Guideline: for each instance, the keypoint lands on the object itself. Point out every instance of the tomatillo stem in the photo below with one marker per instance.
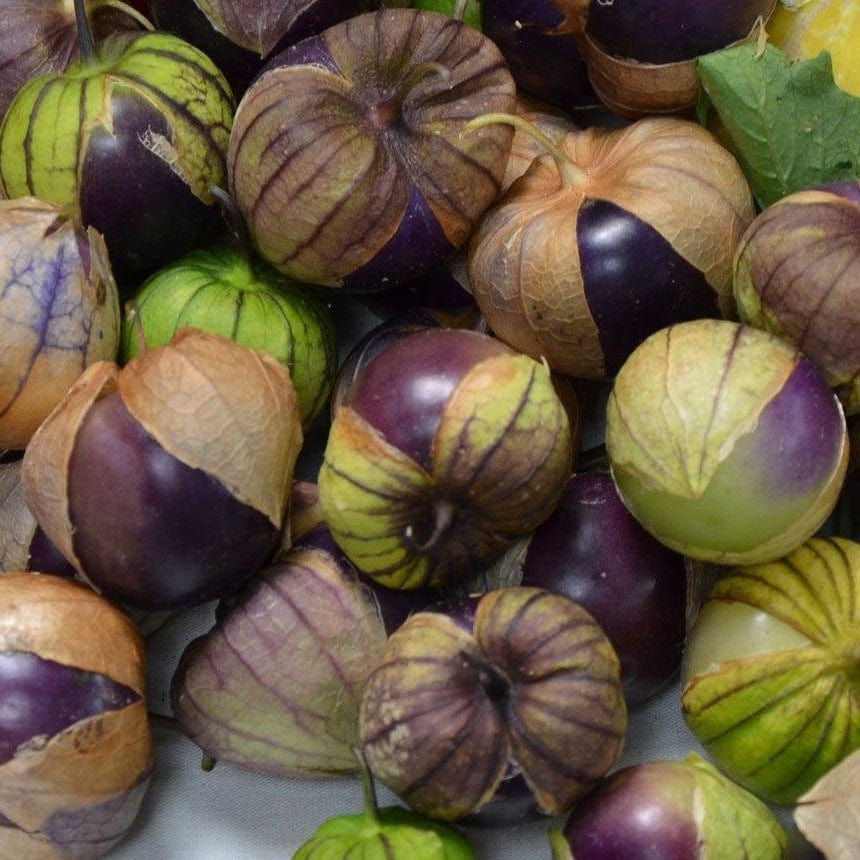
(86, 43)
(571, 173)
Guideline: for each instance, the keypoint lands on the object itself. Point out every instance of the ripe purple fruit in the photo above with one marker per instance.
(166, 483)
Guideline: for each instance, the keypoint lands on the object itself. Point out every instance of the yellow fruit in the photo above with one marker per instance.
(832, 25)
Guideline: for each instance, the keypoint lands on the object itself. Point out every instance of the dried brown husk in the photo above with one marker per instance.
(632, 88)
(524, 267)
(210, 403)
(45, 468)
(216, 406)
(49, 266)
(828, 814)
(17, 524)
(37, 611)
(98, 759)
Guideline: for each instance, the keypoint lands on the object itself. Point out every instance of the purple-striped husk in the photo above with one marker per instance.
(797, 275)
(275, 686)
(238, 53)
(346, 156)
(536, 682)
(59, 312)
(450, 449)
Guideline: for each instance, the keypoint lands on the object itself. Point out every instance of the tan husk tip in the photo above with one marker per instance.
(222, 408)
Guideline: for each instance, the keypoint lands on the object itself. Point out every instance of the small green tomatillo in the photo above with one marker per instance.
(392, 833)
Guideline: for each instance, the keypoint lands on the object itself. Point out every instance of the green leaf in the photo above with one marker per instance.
(788, 123)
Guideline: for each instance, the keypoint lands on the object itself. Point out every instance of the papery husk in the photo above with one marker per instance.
(219, 407)
(524, 267)
(36, 612)
(275, 687)
(92, 830)
(501, 456)
(91, 762)
(393, 833)
(688, 417)
(370, 491)
(43, 355)
(45, 468)
(257, 26)
(776, 716)
(38, 37)
(435, 735)
(97, 760)
(336, 188)
(428, 732)
(632, 88)
(797, 275)
(305, 513)
(524, 148)
(828, 815)
(17, 524)
(164, 73)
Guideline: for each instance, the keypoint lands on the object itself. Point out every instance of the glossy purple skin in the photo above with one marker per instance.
(417, 244)
(643, 812)
(373, 343)
(848, 190)
(666, 31)
(46, 558)
(546, 66)
(798, 439)
(395, 604)
(146, 213)
(592, 550)
(42, 698)
(149, 530)
(403, 391)
(635, 282)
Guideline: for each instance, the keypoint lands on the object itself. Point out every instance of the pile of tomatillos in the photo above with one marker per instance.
(635, 224)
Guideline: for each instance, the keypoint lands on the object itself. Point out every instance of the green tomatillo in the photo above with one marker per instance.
(392, 833)
(223, 292)
(771, 683)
